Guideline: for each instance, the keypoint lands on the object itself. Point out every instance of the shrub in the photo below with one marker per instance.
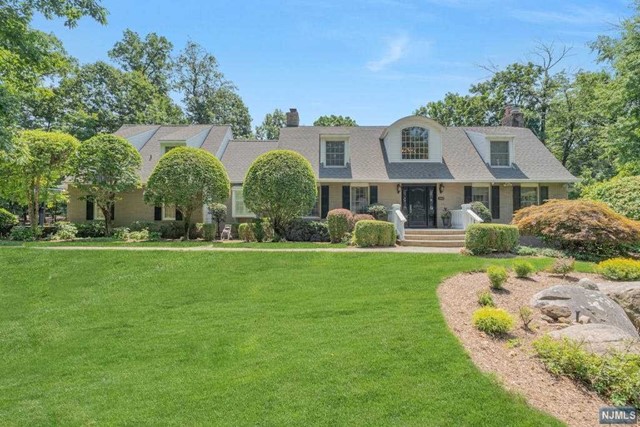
(234, 230)
(522, 268)
(485, 299)
(620, 193)
(65, 231)
(482, 211)
(175, 230)
(7, 221)
(245, 232)
(483, 239)
(340, 222)
(526, 315)
(615, 376)
(545, 252)
(619, 269)
(210, 231)
(497, 276)
(584, 228)
(91, 229)
(374, 233)
(563, 266)
(492, 321)
(139, 236)
(152, 226)
(362, 217)
(23, 234)
(301, 230)
(120, 233)
(378, 211)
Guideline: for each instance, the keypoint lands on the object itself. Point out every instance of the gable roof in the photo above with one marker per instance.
(239, 155)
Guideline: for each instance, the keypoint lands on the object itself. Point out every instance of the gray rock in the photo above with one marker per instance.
(599, 338)
(547, 319)
(555, 311)
(627, 295)
(593, 304)
(584, 320)
(588, 284)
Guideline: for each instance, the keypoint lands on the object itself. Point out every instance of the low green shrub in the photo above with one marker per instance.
(234, 230)
(615, 376)
(90, 229)
(619, 269)
(174, 230)
(120, 233)
(497, 276)
(378, 211)
(245, 232)
(374, 233)
(24, 233)
(340, 222)
(522, 268)
(482, 211)
(139, 236)
(563, 266)
(262, 229)
(301, 230)
(526, 315)
(65, 231)
(545, 252)
(492, 321)
(482, 239)
(210, 231)
(362, 217)
(7, 221)
(152, 226)
(485, 299)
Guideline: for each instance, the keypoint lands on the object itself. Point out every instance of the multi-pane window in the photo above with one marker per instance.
(480, 194)
(528, 196)
(499, 153)
(359, 199)
(415, 143)
(334, 153)
(239, 209)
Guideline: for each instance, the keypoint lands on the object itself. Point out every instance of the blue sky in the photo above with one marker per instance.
(373, 60)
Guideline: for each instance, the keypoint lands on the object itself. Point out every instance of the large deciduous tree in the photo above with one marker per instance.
(36, 165)
(187, 178)
(271, 125)
(280, 185)
(334, 120)
(105, 166)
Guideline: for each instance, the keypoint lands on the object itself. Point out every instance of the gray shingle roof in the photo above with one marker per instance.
(239, 155)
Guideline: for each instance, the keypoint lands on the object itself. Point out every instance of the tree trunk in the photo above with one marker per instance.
(187, 223)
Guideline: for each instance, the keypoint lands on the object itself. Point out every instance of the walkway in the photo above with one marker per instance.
(397, 249)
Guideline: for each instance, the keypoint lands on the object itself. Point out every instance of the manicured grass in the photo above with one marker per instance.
(202, 338)
(99, 242)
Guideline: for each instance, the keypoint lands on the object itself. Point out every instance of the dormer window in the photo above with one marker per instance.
(335, 153)
(168, 146)
(415, 143)
(500, 153)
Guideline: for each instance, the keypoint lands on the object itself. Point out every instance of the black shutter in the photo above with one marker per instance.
(373, 194)
(544, 194)
(495, 201)
(90, 213)
(324, 201)
(113, 211)
(516, 197)
(346, 197)
(178, 215)
(467, 194)
(157, 213)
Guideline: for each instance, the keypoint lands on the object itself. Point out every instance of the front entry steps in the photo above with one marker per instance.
(433, 238)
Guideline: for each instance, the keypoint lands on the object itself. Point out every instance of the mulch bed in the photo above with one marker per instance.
(512, 358)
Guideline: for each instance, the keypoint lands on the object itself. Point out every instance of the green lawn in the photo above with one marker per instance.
(219, 338)
(99, 242)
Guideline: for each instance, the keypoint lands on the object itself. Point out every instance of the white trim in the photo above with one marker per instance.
(234, 214)
(166, 217)
(358, 185)
(323, 149)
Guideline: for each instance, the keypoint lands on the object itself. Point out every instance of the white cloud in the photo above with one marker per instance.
(397, 48)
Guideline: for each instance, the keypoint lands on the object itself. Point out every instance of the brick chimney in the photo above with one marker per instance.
(293, 118)
(513, 117)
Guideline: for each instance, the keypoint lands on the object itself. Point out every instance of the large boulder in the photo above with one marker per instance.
(599, 338)
(627, 295)
(591, 303)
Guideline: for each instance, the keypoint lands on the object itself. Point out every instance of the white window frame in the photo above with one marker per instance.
(501, 138)
(352, 208)
(530, 186)
(168, 214)
(429, 147)
(334, 138)
(486, 187)
(234, 198)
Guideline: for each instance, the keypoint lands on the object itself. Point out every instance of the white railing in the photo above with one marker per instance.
(469, 217)
(457, 219)
(398, 219)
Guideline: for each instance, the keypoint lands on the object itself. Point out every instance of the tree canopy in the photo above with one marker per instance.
(334, 120)
(271, 125)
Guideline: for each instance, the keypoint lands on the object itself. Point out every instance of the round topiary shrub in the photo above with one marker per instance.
(245, 232)
(583, 228)
(522, 268)
(619, 269)
(374, 233)
(482, 211)
(621, 194)
(483, 239)
(280, 185)
(301, 230)
(7, 221)
(497, 276)
(362, 217)
(492, 321)
(340, 223)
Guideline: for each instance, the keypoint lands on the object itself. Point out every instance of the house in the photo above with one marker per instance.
(414, 165)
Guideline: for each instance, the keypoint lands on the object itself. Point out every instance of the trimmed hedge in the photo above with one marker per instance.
(340, 222)
(374, 233)
(209, 231)
(245, 232)
(301, 230)
(362, 217)
(91, 229)
(620, 193)
(482, 239)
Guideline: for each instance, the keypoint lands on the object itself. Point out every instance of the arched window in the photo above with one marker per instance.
(415, 143)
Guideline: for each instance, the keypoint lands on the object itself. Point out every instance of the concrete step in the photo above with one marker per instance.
(434, 243)
(433, 231)
(428, 237)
